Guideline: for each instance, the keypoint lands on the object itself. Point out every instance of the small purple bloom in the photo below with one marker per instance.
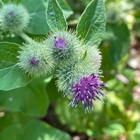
(11, 13)
(60, 43)
(87, 89)
(34, 61)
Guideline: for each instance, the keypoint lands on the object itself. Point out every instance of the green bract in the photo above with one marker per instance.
(13, 18)
(33, 58)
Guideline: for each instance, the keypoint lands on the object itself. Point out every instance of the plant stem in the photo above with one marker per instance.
(25, 37)
(1, 2)
(73, 22)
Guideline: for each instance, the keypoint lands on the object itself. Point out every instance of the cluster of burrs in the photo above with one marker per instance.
(76, 63)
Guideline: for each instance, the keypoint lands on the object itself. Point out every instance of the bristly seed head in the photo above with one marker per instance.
(13, 18)
(60, 43)
(34, 61)
(63, 45)
(87, 89)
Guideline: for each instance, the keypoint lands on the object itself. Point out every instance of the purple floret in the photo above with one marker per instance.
(60, 43)
(34, 61)
(87, 89)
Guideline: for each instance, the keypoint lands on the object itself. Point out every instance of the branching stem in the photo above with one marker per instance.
(25, 37)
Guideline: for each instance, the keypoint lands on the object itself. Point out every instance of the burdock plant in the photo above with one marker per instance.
(80, 75)
(71, 56)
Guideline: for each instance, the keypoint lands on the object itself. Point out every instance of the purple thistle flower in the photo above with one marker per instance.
(34, 61)
(60, 43)
(87, 89)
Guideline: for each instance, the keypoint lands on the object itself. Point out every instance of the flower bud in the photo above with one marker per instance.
(13, 18)
(63, 45)
(34, 60)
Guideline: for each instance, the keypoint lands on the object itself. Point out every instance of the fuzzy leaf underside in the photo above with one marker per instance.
(54, 16)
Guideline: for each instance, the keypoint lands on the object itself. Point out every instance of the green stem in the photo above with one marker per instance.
(1, 2)
(25, 37)
(73, 22)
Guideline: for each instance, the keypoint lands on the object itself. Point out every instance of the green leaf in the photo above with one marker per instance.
(130, 74)
(37, 130)
(13, 39)
(54, 15)
(131, 125)
(11, 76)
(114, 130)
(133, 137)
(115, 85)
(109, 70)
(31, 128)
(31, 99)
(38, 24)
(9, 133)
(86, 121)
(92, 22)
(16, 118)
(137, 130)
(67, 11)
(86, 2)
(52, 90)
(119, 39)
(8, 1)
